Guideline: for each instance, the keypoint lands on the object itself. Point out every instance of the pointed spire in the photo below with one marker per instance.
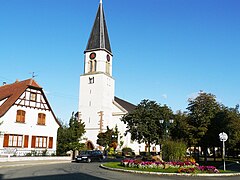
(99, 36)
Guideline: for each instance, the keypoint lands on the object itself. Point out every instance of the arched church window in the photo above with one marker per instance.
(95, 66)
(108, 64)
(107, 67)
(90, 66)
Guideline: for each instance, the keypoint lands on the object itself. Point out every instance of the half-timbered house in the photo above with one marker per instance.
(28, 124)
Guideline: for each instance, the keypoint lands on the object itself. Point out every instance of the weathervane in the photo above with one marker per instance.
(33, 75)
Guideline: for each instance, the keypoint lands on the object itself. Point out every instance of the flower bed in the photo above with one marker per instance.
(182, 167)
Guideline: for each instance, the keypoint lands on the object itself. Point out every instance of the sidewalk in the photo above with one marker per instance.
(24, 161)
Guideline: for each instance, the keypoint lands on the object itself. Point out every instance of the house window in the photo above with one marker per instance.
(15, 140)
(20, 116)
(41, 142)
(41, 119)
(33, 96)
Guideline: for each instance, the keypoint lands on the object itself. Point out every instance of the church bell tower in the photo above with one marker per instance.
(96, 83)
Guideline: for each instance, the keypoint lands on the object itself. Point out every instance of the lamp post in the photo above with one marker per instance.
(166, 124)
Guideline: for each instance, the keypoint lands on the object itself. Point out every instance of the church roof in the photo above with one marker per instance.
(99, 36)
(126, 105)
(10, 93)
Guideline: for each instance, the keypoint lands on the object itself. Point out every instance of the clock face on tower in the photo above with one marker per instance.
(92, 56)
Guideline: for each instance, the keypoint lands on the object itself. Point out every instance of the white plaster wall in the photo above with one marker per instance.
(30, 127)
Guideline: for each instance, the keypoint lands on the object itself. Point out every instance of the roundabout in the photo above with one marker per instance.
(107, 166)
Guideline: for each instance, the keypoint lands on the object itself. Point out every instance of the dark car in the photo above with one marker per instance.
(89, 156)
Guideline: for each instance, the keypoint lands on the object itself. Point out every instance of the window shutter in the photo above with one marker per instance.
(23, 116)
(26, 141)
(33, 141)
(50, 144)
(5, 141)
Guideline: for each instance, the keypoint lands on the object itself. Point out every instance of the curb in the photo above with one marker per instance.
(170, 174)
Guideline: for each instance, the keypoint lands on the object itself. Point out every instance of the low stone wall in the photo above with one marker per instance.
(37, 158)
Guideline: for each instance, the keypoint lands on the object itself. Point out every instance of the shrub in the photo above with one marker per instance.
(127, 151)
(111, 151)
(174, 150)
(44, 152)
(28, 154)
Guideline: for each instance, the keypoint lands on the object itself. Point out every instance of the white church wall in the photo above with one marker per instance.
(95, 98)
(101, 58)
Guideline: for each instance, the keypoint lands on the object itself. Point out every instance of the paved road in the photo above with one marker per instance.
(85, 171)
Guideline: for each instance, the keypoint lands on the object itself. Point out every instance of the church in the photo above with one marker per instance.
(99, 108)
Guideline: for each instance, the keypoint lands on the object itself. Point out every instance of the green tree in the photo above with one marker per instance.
(68, 137)
(226, 120)
(232, 128)
(202, 110)
(62, 139)
(179, 129)
(143, 123)
(76, 130)
(108, 139)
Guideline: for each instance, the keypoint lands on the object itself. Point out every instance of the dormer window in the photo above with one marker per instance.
(33, 96)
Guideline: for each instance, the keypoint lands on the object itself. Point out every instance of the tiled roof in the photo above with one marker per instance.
(126, 105)
(11, 92)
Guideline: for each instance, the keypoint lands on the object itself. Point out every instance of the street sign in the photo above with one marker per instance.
(223, 136)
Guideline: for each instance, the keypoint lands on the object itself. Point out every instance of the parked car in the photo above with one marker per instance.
(89, 156)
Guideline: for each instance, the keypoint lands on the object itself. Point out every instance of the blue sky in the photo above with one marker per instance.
(164, 50)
